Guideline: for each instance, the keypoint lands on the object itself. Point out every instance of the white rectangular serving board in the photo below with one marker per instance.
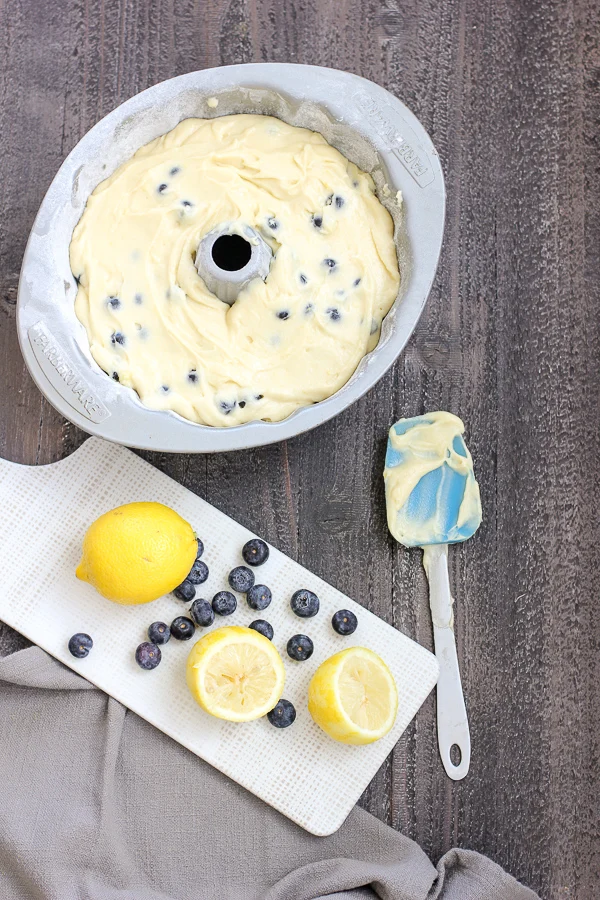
(45, 512)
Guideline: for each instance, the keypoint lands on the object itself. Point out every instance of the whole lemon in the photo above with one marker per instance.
(137, 552)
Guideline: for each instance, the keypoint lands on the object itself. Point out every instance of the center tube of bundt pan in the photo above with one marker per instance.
(227, 260)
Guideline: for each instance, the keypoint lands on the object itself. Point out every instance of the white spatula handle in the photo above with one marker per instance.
(452, 723)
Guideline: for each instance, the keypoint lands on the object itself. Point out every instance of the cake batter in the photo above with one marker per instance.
(432, 442)
(286, 342)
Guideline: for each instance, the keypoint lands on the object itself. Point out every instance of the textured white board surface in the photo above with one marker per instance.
(45, 512)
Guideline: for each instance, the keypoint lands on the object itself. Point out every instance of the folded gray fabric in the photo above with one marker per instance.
(102, 806)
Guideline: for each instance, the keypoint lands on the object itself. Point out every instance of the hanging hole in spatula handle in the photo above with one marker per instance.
(455, 755)
(455, 762)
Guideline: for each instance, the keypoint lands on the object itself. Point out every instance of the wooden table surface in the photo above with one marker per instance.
(510, 340)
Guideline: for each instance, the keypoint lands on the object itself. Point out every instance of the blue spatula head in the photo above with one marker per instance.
(431, 493)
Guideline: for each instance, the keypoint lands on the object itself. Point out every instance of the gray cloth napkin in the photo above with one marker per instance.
(99, 805)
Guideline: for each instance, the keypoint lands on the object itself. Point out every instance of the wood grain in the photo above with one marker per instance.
(510, 92)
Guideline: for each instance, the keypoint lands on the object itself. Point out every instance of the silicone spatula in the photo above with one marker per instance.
(433, 500)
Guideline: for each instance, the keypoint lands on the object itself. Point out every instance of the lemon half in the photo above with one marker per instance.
(137, 552)
(235, 673)
(353, 697)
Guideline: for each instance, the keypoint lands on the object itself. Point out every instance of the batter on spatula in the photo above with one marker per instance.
(286, 342)
(432, 495)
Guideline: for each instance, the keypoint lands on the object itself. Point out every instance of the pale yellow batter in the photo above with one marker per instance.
(426, 446)
(287, 342)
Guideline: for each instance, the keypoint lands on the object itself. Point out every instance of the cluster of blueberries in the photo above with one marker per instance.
(304, 603)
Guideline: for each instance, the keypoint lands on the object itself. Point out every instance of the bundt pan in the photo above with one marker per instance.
(362, 120)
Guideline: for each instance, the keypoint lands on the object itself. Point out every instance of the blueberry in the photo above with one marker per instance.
(255, 552)
(339, 201)
(193, 376)
(115, 376)
(138, 299)
(303, 279)
(259, 396)
(198, 573)
(282, 715)
(333, 313)
(284, 314)
(259, 596)
(161, 188)
(300, 647)
(356, 282)
(202, 613)
(273, 223)
(263, 627)
(317, 221)
(159, 633)
(117, 337)
(148, 655)
(330, 263)
(182, 628)
(226, 406)
(114, 302)
(309, 308)
(241, 579)
(344, 622)
(186, 203)
(200, 549)
(224, 603)
(174, 170)
(305, 604)
(242, 404)
(165, 388)
(186, 591)
(80, 645)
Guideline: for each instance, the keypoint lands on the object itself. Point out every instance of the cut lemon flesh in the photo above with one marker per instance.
(235, 673)
(353, 697)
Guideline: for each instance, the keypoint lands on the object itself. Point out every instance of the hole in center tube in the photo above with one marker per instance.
(231, 252)
(455, 755)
